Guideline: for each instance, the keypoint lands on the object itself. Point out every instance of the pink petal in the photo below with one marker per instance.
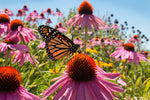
(61, 91)
(120, 81)
(111, 76)
(19, 47)
(68, 92)
(111, 86)
(75, 91)
(3, 96)
(92, 92)
(54, 87)
(101, 92)
(88, 95)
(80, 93)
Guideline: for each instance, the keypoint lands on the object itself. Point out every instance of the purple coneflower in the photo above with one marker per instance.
(128, 52)
(85, 17)
(105, 41)
(32, 17)
(22, 57)
(48, 21)
(25, 8)
(145, 53)
(10, 86)
(29, 17)
(11, 43)
(4, 23)
(77, 40)
(134, 39)
(7, 12)
(35, 12)
(17, 28)
(115, 26)
(41, 16)
(117, 43)
(60, 28)
(49, 11)
(20, 13)
(104, 27)
(83, 80)
(95, 41)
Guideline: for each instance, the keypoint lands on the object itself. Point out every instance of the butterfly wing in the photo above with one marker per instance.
(57, 45)
(60, 46)
(47, 32)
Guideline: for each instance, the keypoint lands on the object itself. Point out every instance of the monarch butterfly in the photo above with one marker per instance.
(57, 45)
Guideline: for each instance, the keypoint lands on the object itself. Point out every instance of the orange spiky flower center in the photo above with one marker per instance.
(115, 25)
(114, 38)
(25, 6)
(81, 68)
(85, 8)
(10, 79)
(146, 52)
(129, 47)
(42, 14)
(20, 11)
(6, 10)
(4, 18)
(49, 10)
(9, 41)
(60, 23)
(96, 38)
(56, 26)
(78, 38)
(34, 11)
(135, 36)
(14, 24)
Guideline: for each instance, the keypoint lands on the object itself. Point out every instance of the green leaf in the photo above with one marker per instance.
(138, 81)
(32, 71)
(146, 88)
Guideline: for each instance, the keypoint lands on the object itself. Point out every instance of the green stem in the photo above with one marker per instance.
(54, 68)
(7, 56)
(142, 77)
(86, 35)
(35, 63)
(22, 39)
(138, 45)
(38, 70)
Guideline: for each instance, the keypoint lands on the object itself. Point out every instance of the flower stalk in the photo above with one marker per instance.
(35, 63)
(86, 35)
(7, 56)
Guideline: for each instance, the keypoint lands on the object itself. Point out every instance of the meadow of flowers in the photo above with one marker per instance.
(110, 64)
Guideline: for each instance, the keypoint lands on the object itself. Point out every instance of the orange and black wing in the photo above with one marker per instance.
(46, 31)
(59, 46)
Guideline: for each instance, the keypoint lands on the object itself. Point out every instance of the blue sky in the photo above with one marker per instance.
(136, 12)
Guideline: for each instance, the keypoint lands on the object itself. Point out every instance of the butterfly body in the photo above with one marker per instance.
(57, 45)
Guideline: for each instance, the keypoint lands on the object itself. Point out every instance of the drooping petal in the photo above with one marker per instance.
(101, 92)
(62, 90)
(111, 86)
(120, 81)
(111, 76)
(54, 87)
(19, 47)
